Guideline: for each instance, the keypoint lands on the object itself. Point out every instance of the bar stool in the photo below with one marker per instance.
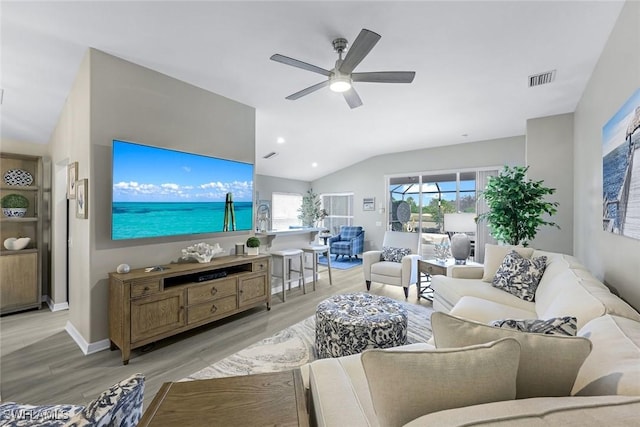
(316, 251)
(286, 256)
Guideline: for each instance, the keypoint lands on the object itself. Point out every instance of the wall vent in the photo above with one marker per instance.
(270, 155)
(542, 78)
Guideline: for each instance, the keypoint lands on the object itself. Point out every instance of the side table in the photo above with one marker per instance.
(276, 398)
(426, 269)
(432, 267)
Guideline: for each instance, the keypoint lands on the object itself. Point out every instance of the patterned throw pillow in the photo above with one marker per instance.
(394, 254)
(520, 276)
(566, 325)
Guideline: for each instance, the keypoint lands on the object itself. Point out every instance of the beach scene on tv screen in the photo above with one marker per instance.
(160, 192)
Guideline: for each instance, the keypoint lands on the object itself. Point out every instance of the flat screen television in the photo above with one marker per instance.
(158, 192)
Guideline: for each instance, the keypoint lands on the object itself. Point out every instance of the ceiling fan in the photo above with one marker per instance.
(341, 77)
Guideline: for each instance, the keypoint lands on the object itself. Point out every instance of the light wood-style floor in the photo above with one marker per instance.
(41, 364)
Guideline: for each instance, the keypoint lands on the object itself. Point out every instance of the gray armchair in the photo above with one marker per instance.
(396, 263)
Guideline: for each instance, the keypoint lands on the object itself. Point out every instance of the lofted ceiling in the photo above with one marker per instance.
(472, 61)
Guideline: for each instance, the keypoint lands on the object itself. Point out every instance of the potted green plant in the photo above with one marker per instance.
(516, 206)
(310, 211)
(253, 245)
(14, 205)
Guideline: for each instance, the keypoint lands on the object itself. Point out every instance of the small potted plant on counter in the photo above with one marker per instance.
(253, 246)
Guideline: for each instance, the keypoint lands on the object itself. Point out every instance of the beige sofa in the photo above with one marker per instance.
(606, 390)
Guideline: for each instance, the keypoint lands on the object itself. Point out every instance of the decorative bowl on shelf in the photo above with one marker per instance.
(18, 177)
(16, 243)
(14, 212)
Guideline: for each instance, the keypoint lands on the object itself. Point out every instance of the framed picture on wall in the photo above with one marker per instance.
(620, 194)
(82, 199)
(72, 177)
(369, 204)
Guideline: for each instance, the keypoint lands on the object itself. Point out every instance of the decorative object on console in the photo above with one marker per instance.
(72, 177)
(82, 199)
(123, 268)
(16, 243)
(202, 252)
(460, 224)
(239, 248)
(516, 206)
(14, 205)
(253, 246)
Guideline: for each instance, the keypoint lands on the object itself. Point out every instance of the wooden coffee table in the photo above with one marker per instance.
(276, 398)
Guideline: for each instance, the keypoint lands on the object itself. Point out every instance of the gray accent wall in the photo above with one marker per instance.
(121, 100)
(367, 178)
(616, 77)
(550, 159)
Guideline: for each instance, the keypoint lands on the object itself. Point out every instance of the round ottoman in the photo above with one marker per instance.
(350, 323)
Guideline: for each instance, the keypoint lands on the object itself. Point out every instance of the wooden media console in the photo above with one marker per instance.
(148, 306)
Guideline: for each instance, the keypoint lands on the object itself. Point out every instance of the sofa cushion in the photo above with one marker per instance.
(394, 254)
(340, 391)
(493, 256)
(451, 290)
(520, 276)
(548, 363)
(541, 411)
(555, 326)
(485, 311)
(613, 367)
(415, 376)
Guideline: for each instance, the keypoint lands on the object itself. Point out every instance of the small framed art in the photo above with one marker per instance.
(72, 177)
(369, 204)
(82, 199)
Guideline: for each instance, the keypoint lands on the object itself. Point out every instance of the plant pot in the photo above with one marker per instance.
(14, 212)
(253, 251)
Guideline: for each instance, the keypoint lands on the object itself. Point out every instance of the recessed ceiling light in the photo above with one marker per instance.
(280, 140)
(314, 165)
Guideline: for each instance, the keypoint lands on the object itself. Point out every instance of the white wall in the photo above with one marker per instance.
(550, 159)
(367, 178)
(611, 257)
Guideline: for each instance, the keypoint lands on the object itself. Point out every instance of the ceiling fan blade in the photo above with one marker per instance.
(299, 64)
(308, 90)
(352, 98)
(384, 77)
(363, 44)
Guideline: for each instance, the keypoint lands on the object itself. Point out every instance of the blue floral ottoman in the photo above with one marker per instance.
(350, 323)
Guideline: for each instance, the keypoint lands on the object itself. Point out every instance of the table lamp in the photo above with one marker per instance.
(459, 224)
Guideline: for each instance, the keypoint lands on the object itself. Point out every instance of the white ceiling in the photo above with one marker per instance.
(472, 60)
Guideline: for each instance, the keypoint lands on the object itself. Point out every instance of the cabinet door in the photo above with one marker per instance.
(252, 289)
(157, 314)
(19, 281)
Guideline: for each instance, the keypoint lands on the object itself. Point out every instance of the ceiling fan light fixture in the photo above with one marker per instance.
(340, 84)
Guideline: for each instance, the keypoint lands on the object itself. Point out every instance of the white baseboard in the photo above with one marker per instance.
(86, 347)
(55, 306)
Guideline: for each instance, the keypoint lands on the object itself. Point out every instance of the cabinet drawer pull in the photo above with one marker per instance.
(214, 291)
(146, 289)
(214, 308)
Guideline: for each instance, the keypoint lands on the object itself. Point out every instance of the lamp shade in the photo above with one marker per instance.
(460, 222)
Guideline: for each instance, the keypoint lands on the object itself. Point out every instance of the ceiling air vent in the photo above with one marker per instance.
(542, 78)
(270, 155)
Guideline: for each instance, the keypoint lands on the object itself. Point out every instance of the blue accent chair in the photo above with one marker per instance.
(349, 242)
